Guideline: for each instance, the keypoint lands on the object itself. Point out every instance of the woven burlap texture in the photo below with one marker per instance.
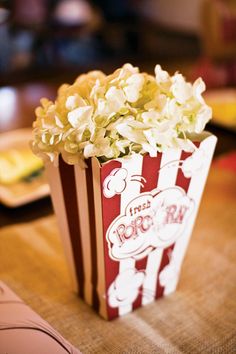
(198, 318)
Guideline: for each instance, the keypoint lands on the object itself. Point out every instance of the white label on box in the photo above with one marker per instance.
(151, 220)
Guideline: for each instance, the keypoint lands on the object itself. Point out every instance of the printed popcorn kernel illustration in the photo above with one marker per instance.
(125, 289)
(170, 273)
(194, 163)
(190, 166)
(115, 182)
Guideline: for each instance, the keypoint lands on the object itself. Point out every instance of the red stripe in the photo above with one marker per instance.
(110, 210)
(150, 171)
(93, 234)
(182, 182)
(67, 176)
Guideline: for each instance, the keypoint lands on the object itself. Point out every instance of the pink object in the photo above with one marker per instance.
(30, 12)
(73, 12)
(22, 331)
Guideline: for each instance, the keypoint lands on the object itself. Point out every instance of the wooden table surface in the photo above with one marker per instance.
(198, 318)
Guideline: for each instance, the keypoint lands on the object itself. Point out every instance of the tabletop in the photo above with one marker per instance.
(198, 318)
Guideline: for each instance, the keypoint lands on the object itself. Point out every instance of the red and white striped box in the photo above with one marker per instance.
(126, 224)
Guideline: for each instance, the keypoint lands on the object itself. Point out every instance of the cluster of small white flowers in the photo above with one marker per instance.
(120, 114)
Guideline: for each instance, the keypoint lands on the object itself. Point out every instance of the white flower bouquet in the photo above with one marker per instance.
(117, 115)
(127, 159)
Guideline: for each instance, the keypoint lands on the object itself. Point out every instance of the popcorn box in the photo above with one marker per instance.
(125, 224)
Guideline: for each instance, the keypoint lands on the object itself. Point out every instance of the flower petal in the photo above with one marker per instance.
(79, 115)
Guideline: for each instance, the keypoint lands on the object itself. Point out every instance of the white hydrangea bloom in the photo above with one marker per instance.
(80, 116)
(115, 100)
(134, 86)
(74, 101)
(120, 114)
(181, 90)
(162, 76)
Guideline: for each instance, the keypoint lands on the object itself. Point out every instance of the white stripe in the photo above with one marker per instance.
(149, 285)
(82, 200)
(133, 167)
(54, 180)
(169, 171)
(101, 283)
(195, 191)
(167, 178)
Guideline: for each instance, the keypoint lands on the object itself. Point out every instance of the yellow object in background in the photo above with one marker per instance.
(223, 104)
(16, 164)
(224, 111)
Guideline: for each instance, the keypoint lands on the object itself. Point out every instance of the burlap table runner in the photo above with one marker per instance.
(198, 318)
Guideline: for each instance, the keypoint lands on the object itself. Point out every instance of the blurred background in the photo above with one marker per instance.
(44, 39)
(44, 43)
